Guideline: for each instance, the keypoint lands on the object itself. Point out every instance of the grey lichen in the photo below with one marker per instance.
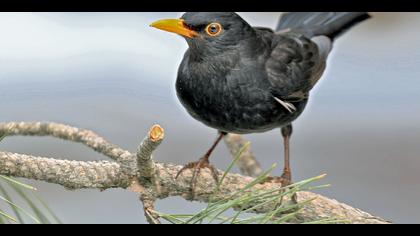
(129, 171)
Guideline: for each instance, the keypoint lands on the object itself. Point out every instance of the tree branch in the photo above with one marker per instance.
(247, 163)
(85, 137)
(104, 174)
(70, 174)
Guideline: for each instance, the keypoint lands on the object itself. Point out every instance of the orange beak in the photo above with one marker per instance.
(175, 26)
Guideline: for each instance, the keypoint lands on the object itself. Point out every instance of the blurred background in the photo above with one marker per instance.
(112, 73)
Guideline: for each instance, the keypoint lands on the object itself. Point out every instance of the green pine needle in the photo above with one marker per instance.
(15, 182)
(13, 205)
(2, 136)
(38, 210)
(219, 211)
(7, 196)
(235, 159)
(2, 214)
(40, 216)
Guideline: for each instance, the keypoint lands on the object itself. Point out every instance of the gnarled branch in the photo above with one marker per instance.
(61, 131)
(124, 173)
(70, 174)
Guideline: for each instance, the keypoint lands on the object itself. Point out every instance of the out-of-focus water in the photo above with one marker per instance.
(112, 73)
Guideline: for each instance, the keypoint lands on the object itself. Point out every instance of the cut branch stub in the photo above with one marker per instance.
(145, 164)
(147, 172)
(156, 133)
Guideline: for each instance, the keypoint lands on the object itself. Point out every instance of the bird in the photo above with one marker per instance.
(240, 79)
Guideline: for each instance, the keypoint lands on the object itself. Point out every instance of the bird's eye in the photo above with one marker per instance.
(213, 29)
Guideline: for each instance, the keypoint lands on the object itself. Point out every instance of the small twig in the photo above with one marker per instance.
(146, 196)
(247, 163)
(149, 213)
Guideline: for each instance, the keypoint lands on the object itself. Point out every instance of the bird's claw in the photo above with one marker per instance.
(285, 181)
(196, 169)
(286, 178)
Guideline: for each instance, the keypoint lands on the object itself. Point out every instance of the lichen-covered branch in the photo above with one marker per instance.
(104, 175)
(61, 131)
(70, 174)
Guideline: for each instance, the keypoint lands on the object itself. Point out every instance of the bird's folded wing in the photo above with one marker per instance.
(294, 66)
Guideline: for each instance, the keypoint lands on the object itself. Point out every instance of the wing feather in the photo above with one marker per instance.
(294, 66)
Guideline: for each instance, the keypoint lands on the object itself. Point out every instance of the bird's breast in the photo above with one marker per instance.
(234, 102)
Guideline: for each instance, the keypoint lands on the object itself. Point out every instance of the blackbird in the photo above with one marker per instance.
(241, 79)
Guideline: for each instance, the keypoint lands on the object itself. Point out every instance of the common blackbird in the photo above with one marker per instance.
(241, 79)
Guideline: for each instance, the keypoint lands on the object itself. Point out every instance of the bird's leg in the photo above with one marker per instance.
(203, 162)
(286, 132)
(286, 177)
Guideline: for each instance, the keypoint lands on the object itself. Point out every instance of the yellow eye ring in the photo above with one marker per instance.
(214, 29)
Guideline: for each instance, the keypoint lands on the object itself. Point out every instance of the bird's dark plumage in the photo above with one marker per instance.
(242, 80)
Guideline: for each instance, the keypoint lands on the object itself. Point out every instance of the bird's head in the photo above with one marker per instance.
(209, 33)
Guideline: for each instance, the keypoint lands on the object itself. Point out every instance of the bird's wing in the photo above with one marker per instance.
(300, 47)
(295, 65)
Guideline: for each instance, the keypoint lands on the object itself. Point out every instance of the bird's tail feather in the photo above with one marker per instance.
(330, 24)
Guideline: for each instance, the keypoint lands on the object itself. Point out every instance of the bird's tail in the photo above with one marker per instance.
(330, 24)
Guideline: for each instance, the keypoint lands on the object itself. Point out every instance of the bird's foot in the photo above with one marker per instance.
(284, 180)
(287, 178)
(196, 169)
